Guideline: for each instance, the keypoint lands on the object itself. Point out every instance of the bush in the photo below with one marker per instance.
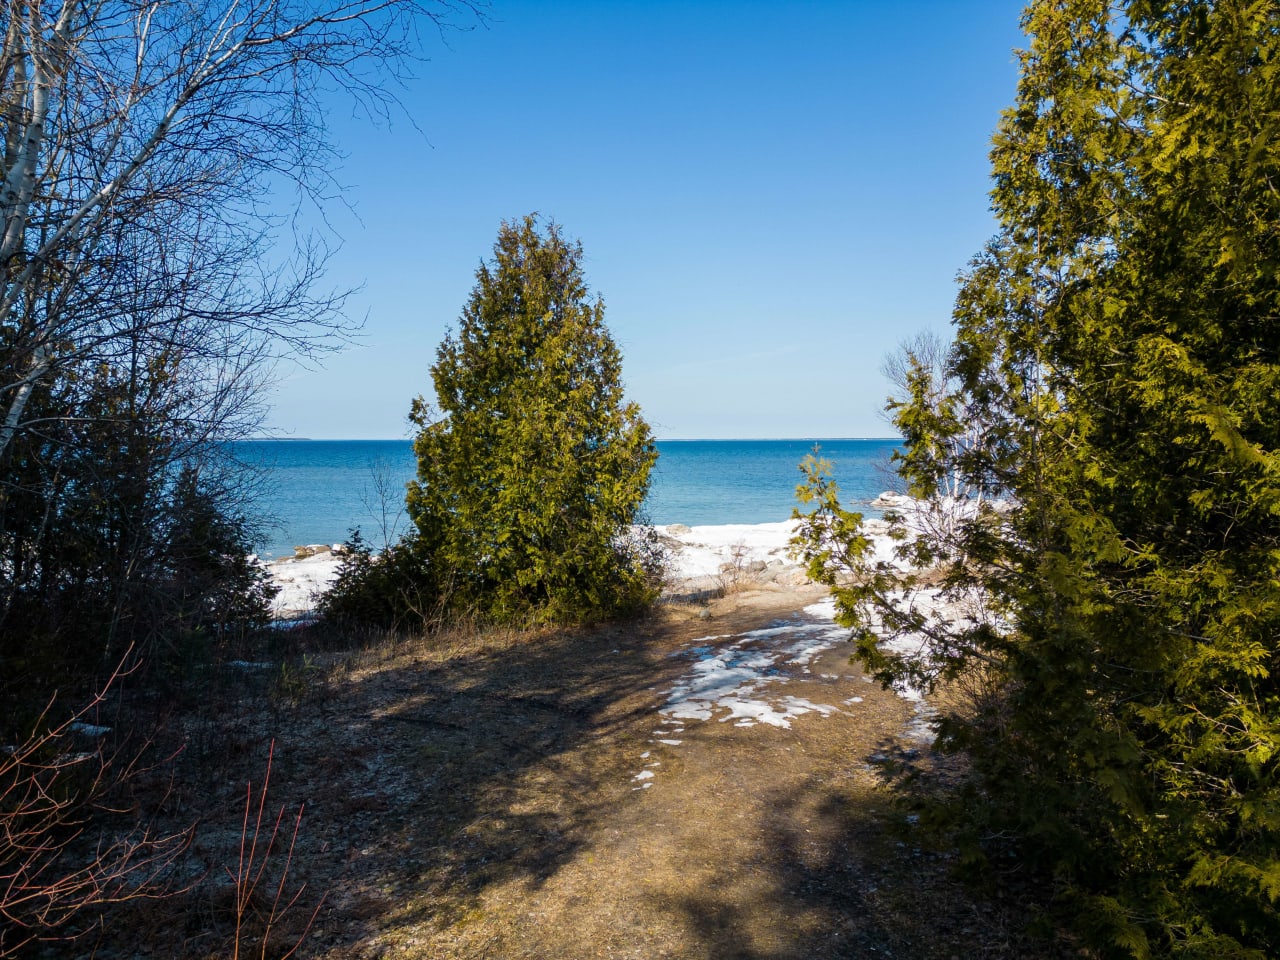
(391, 590)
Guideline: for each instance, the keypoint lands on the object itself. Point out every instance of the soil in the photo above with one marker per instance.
(505, 795)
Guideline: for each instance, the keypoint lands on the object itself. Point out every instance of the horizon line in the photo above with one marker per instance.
(656, 439)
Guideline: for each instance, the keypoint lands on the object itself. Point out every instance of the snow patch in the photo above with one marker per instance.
(301, 581)
(701, 551)
(733, 681)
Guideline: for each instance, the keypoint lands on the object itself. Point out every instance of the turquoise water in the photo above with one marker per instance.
(318, 490)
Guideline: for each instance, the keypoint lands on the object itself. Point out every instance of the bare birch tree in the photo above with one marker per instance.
(147, 148)
(144, 149)
(140, 138)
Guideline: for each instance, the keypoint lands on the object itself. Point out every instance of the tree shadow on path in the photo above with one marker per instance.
(486, 797)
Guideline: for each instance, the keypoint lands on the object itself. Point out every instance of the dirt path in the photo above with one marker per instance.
(529, 797)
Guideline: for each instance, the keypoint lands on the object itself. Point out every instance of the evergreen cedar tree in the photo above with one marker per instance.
(534, 467)
(1118, 346)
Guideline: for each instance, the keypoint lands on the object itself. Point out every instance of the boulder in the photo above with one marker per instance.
(791, 577)
(891, 501)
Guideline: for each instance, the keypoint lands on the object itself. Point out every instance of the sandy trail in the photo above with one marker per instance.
(547, 796)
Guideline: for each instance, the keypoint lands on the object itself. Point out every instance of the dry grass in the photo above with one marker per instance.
(472, 796)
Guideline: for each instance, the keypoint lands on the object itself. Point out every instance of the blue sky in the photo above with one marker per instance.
(770, 197)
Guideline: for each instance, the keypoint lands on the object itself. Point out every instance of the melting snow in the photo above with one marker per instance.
(920, 729)
(702, 550)
(733, 681)
(301, 581)
(824, 609)
(733, 676)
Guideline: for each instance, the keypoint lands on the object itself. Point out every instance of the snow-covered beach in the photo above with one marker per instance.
(699, 558)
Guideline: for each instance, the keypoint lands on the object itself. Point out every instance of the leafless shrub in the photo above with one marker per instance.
(739, 572)
(384, 499)
(51, 875)
(263, 902)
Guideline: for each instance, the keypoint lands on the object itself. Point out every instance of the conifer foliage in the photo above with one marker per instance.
(533, 467)
(1118, 352)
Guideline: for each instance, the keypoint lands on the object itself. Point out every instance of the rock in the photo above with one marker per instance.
(669, 545)
(88, 729)
(757, 566)
(678, 529)
(891, 501)
(311, 550)
(790, 577)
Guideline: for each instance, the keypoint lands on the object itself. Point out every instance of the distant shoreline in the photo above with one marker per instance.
(656, 440)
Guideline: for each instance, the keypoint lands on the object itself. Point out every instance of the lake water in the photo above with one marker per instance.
(318, 490)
